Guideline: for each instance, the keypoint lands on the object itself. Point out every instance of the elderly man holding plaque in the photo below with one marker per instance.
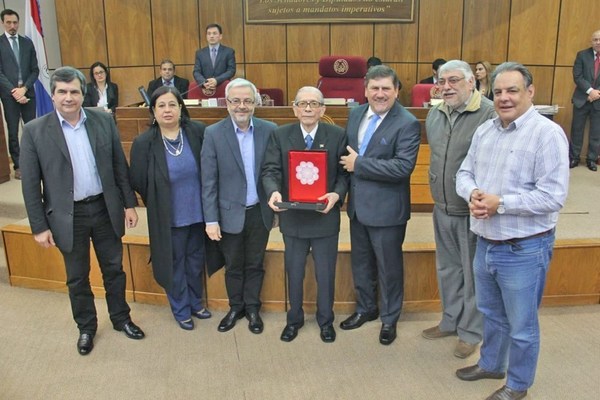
(300, 156)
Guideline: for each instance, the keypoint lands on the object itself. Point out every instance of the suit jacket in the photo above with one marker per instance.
(275, 177)
(380, 183)
(583, 75)
(47, 175)
(427, 80)
(92, 96)
(224, 65)
(150, 178)
(9, 70)
(181, 84)
(223, 176)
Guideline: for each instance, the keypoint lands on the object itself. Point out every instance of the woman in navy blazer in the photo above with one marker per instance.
(101, 92)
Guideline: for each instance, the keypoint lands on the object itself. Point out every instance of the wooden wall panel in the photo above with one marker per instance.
(129, 32)
(299, 75)
(440, 29)
(354, 40)
(485, 36)
(578, 20)
(129, 79)
(562, 93)
(258, 36)
(307, 43)
(82, 32)
(178, 45)
(406, 73)
(542, 81)
(533, 31)
(267, 76)
(396, 42)
(228, 14)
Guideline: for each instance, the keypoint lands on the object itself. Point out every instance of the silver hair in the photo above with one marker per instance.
(457, 65)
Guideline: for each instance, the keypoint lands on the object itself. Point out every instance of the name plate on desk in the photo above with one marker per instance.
(307, 180)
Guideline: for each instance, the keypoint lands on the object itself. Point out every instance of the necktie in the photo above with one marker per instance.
(368, 134)
(15, 49)
(168, 83)
(309, 141)
(213, 55)
(597, 65)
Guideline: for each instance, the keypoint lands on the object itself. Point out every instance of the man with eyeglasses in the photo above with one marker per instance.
(307, 230)
(383, 142)
(234, 201)
(450, 127)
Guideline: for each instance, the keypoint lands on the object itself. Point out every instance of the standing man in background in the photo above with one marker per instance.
(234, 202)
(76, 189)
(383, 142)
(214, 63)
(168, 78)
(450, 127)
(586, 104)
(515, 178)
(18, 73)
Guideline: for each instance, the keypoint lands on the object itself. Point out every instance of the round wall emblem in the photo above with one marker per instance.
(340, 66)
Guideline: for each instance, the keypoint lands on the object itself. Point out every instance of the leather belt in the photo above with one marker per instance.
(90, 199)
(251, 207)
(514, 241)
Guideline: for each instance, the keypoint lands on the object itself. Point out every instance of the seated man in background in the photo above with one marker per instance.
(168, 78)
(214, 63)
(435, 65)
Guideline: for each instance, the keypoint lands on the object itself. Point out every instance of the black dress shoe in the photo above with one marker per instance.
(387, 334)
(506, 393)
(592, 166)
(230, 319)
(474, 373)
(255, 323)
(290, 332)
(85, 343)
(357, 320)
(132, 331)
(573, 163)
(328, 334)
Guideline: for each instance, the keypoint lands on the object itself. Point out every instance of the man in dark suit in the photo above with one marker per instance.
(305, 230)
(234, 201)
(76, 188)
(168, 78)
(435, 65)
(17, 77)
(383, 142)
(216, 62)
(586, 103)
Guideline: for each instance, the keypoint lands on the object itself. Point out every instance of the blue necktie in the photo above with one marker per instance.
(213, 55)
(309, 141)
(368, 134)
(168, 83)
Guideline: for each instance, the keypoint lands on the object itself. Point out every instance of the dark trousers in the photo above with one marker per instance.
(580, 117)
(377, 260)
(91, 220)
(13, 113)
(185, 296)
(324, 252)
(244, 253)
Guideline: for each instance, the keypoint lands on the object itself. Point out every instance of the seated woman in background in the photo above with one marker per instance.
(165, 171)
(483, 74)
(101, 92)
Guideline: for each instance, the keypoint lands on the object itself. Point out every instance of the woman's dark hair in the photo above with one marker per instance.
(185, 114)
(104, 67)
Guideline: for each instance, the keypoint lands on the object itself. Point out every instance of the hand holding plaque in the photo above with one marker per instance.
(307, 180)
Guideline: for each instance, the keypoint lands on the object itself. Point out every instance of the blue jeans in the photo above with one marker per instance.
(509, 282)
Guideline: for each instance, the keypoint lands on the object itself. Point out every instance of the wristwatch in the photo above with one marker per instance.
(501, 209)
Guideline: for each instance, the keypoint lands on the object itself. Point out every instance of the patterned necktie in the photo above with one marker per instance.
(597, 65)
(309, 141)
(368, 134)
(168, 83)
(213, 55)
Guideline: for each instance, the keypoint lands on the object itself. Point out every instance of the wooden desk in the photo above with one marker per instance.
(134, 120)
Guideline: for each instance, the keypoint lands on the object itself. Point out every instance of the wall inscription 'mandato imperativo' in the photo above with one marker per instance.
(330, 11)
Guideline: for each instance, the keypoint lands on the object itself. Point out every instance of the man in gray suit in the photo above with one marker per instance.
(305, 230)
(234, 201)
(214, 63)
(17, 77)
(76, 188)
(586, 103)
(383, 142)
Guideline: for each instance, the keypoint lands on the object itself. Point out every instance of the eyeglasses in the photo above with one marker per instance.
(312, 104)
(98, 73)
(237, 102)
(451, 81)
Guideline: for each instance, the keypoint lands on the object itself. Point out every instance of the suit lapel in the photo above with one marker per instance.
(91, 127)
(158, 152)
(383, 126)
(296, 138)
(8, 48)
(231, 139)
(353, 132)
(320, 142)
(56, 134)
